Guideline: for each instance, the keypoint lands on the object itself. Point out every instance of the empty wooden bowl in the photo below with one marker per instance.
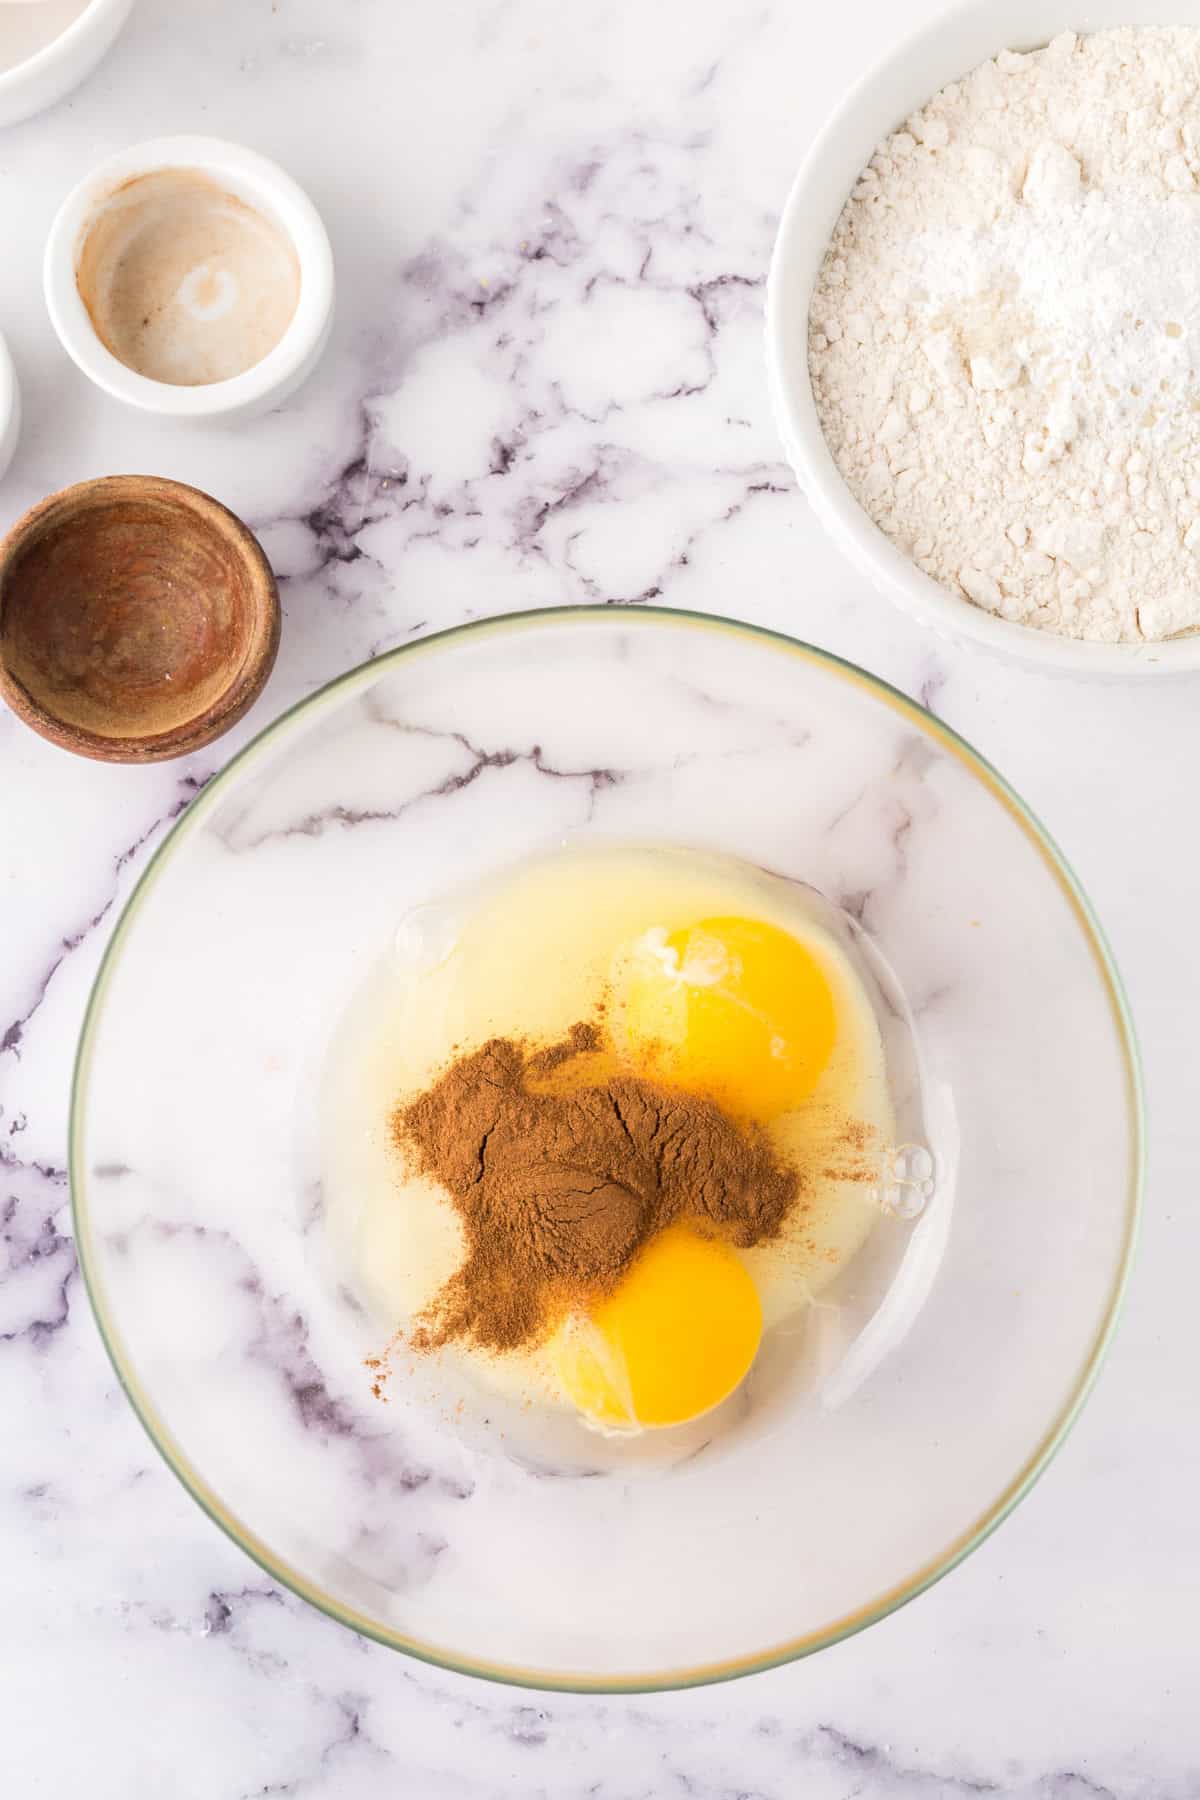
(139, 618)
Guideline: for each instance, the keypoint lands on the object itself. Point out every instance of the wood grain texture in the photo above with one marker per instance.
(139, 619)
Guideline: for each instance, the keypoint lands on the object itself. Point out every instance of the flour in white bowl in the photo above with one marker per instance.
(1005, 336)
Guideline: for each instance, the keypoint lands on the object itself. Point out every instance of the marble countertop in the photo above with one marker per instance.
(552, 229)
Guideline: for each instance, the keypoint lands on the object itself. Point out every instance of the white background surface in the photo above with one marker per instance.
(552, 227)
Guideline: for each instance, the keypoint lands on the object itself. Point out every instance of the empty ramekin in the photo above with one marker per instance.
(258, 183)
(63, 63)
(911, 75)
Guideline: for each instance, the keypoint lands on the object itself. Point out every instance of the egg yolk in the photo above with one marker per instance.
(676, 1337)
(730, 1008)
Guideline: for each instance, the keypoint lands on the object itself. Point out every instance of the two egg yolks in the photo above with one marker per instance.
(742, 1013)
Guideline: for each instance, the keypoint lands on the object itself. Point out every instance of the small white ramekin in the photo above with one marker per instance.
(10, 408)
(63, 63)
(260, 184)
(912, 74)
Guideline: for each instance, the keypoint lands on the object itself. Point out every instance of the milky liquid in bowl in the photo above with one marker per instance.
(183, 282)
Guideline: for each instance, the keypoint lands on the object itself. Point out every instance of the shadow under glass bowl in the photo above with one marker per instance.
(200, 1226)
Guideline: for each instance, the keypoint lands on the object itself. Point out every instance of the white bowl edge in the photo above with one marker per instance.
(942, 51)
(39, 81)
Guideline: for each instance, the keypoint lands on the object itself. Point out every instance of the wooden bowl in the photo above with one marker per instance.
(139, 619)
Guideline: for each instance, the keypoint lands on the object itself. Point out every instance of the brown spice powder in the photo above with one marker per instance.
(558, 1184)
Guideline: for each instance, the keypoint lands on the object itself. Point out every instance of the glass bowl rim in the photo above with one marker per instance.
(635, 617)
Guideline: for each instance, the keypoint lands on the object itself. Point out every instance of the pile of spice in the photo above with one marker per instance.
(561, 1167)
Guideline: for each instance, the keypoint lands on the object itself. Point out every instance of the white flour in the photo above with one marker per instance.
(1005, 336)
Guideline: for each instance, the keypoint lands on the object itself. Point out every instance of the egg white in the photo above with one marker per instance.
(526, 956)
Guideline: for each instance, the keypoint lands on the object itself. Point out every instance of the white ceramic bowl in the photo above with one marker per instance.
(912, 74)
(250, 178)
(10, 409)
(63, 63)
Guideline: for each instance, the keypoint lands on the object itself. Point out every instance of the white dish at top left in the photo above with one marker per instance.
(190, 277)
(48, 48)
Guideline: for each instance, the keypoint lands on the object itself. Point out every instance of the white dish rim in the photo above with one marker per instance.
(83, 43)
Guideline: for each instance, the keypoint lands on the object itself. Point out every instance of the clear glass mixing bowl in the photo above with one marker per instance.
(200, 1216)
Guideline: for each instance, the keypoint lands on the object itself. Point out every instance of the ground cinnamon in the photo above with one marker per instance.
(558, 1182)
